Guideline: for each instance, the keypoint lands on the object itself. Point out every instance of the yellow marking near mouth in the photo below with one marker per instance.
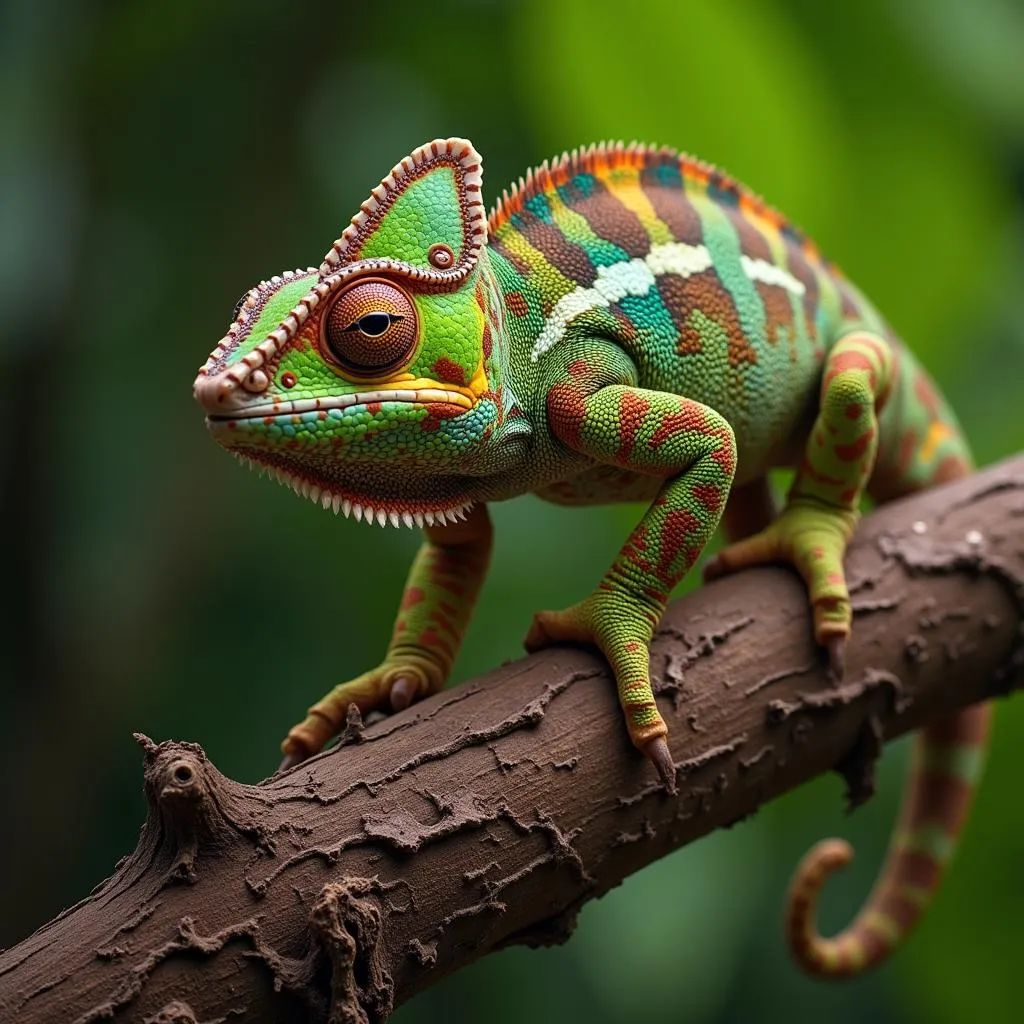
(464, 395)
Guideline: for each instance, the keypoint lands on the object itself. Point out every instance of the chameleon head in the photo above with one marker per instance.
(373, 383)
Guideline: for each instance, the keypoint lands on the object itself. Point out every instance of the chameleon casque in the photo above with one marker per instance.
(628, 324)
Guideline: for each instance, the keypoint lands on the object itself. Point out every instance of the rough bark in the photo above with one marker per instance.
(487, 815)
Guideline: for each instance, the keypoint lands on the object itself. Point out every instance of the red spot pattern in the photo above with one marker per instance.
(680, 527)
(687, 419)
(566, 401)
(632, 410)
(446, 370)
(855, 449)
(708, 495)
(437, 413)
(848, 360)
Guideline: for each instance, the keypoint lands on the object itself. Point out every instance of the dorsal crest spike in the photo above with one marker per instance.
(600, 157)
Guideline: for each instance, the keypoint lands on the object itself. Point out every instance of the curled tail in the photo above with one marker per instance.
(947, 763)
(921, 446)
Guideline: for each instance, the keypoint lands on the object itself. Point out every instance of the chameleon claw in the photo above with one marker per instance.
(713, 569)
(403, 692)
(291, 760)
(658, 752)
(835, 648)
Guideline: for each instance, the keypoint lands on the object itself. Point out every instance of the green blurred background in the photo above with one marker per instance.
(156, 159)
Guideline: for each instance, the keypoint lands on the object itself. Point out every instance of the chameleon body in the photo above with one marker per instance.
(628, 324)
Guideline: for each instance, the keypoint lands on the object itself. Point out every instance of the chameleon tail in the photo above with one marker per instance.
(947, 762)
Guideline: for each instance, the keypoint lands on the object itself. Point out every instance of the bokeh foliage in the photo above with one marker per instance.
(158, 158)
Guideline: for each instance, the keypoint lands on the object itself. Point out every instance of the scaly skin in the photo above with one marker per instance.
(628, 325)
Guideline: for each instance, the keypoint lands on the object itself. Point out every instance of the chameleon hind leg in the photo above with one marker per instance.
(921, 446)
(694, 449)
(822, 509)
(439, 596)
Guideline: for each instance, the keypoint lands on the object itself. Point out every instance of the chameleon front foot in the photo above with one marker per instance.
(389, 687)
(812, 537)
(621, 629)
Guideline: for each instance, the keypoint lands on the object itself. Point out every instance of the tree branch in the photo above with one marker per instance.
(487, 815)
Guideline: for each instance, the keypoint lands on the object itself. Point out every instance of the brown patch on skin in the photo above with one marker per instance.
(517, 304)
(567, 256)
(752, 242)
(288, 379)
(613, 221)
(778, 310)
(449, 372)
(673, 208)
(706, 293)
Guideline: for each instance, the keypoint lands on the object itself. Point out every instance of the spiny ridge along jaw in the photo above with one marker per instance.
(361, 511)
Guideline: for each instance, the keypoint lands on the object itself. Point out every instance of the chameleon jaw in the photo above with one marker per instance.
(339, 502)
(296, 407)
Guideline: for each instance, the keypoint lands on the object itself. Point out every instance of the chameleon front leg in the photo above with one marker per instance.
(439, 597)
(822, 509)
(694, 449)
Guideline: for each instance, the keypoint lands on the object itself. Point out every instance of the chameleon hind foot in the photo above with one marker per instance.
(621, 629)
(392, 686)
(812, 537)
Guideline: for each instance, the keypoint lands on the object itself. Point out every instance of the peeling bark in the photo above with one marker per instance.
(487, 815)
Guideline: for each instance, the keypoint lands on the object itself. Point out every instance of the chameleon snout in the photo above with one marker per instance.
(229, 391)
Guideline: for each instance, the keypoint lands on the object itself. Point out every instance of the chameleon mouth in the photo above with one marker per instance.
(297, 407)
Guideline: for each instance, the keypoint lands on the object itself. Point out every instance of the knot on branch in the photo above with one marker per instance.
(180, 783)
(346, 923)
(176, 1012)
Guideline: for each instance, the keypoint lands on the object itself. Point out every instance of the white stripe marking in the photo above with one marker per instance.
(769, 273)
(637, 277)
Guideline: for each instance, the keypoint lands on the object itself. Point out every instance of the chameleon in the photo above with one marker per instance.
(627, 324)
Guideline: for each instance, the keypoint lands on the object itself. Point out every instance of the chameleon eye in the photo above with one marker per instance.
(373, 325)
(371, 329)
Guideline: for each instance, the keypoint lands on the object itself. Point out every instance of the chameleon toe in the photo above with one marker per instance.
(657, 751)
(291, 760)
(403, 693)
(835, 648)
